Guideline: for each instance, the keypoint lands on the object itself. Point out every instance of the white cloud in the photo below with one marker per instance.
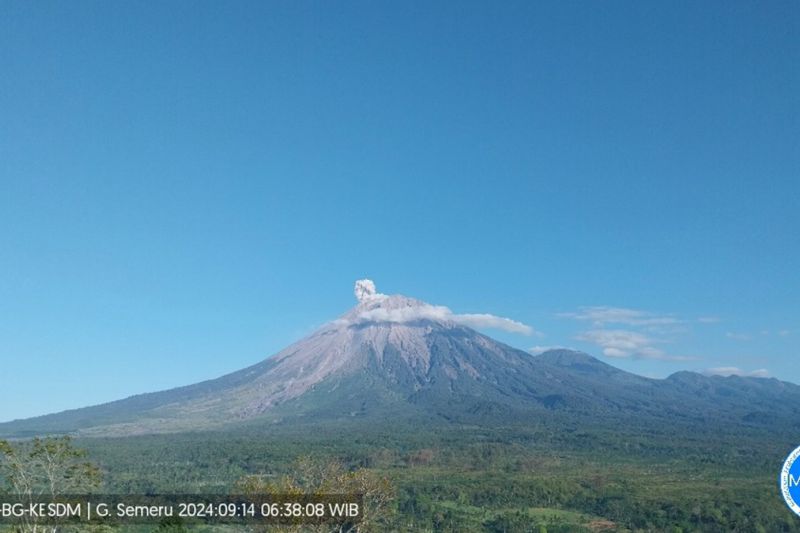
(441, 313)
(623, 332)
(602, 315)
(735, 371)
(365, 291)
(709, 320)
(621, 343)
(739, 336)
(484, 320)
(536, 350)
(405, 314)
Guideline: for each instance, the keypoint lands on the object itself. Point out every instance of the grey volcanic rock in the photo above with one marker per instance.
(398, 355)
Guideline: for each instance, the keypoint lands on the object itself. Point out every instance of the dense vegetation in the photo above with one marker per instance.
(524, 478)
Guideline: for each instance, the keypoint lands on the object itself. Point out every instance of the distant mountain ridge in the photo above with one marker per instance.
(394, 354)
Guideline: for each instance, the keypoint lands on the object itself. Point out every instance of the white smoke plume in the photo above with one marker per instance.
(365, 290)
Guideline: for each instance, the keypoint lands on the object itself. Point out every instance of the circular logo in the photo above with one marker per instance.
(790, 481)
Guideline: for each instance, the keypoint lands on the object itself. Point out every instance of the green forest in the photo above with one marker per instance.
(461, 478)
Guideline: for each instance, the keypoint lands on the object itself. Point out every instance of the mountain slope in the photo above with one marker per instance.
(400, 356)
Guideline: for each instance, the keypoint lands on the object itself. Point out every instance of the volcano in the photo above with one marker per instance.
(395, 356)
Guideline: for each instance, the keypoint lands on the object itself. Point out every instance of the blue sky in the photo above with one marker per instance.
(187, 187)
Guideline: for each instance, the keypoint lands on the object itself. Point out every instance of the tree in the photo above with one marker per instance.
(42, 468)
(319, 478)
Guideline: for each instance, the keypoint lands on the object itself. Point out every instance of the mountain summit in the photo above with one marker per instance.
(395, 355)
